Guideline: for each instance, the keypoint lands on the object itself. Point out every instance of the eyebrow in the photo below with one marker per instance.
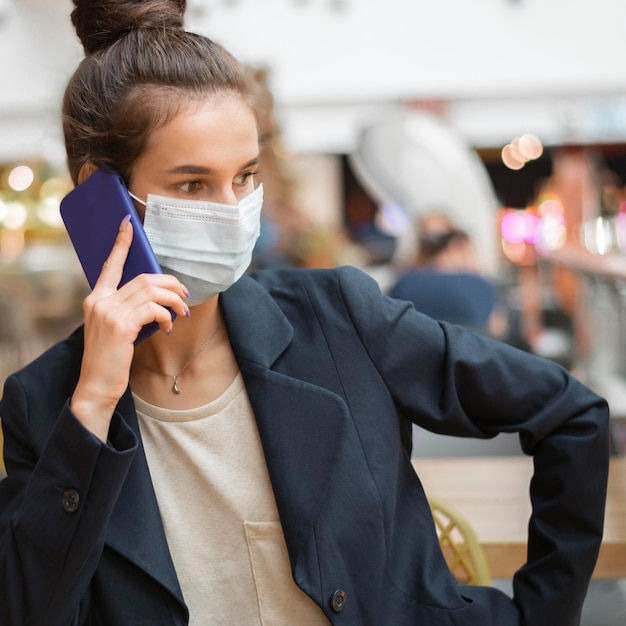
(199, 169)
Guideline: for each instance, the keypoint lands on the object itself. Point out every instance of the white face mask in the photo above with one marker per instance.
(206, 245)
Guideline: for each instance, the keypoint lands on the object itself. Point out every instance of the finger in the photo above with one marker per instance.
(158, 287)
(120, 325)
(126, 307)
(113, 267)
(147, 290)
(159, 314)
(128, 323)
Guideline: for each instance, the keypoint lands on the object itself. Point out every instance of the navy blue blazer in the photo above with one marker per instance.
(336, 373)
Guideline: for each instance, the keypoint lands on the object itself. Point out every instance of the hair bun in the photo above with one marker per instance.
(100, 23)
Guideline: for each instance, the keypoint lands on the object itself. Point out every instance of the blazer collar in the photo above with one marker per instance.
(258, 329)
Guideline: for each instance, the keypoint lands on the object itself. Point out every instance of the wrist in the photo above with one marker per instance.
(93, 413)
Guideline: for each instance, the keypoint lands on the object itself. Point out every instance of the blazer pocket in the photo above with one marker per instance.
(281, 601)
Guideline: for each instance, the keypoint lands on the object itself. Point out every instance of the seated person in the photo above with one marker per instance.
(446, 282)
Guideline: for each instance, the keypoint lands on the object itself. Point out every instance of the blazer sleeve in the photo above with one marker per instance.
(54, 508)
(450, 380)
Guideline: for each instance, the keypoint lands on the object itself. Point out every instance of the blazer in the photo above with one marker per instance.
(336, 374)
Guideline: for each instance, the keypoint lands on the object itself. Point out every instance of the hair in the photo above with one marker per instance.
(436, 235)
(140, 67)
(433, 244)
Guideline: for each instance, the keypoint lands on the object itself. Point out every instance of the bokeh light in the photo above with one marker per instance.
(21, 178)
(392, 219)
(520, 150)
(519, 226)
(525, 232)
(530, 146)
(551, 231)
(512, 157)
(599, 235)
(15, 216)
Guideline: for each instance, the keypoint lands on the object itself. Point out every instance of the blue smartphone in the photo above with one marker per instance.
(92, 213)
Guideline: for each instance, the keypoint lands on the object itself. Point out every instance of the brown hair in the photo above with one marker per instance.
(140, 67)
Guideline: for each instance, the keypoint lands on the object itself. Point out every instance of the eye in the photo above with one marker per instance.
(189, 186)
(245, 177)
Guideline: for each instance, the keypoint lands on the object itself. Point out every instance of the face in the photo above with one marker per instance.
(209, 151)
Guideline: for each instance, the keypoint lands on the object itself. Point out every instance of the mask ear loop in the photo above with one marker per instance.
(134, 197)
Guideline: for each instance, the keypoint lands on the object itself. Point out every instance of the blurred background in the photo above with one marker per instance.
(508, 116)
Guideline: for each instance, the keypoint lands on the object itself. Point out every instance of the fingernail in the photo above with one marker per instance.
(168, 332)
(124, 222)
(187, 312)
(186, 292)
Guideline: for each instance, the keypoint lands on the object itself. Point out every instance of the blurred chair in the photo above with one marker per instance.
(460, 546)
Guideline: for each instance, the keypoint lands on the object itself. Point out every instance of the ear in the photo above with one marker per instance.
(86, 170)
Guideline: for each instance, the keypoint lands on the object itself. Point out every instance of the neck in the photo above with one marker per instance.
(168, 353)
(209, 372)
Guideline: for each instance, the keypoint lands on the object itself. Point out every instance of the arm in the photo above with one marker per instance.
(65, 472)
(452, 381)
(54, 511)
(113, 319)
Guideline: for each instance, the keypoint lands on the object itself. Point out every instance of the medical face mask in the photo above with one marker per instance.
(206, 245)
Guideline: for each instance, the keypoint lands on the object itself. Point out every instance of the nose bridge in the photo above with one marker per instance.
(225, 194)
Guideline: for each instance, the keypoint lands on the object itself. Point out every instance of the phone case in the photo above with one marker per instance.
(92, 213)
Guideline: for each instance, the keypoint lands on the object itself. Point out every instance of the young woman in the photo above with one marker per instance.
(249, 463)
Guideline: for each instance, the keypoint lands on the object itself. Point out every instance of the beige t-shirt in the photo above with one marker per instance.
(220, 516)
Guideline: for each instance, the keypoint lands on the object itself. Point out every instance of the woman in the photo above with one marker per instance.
(250, 462)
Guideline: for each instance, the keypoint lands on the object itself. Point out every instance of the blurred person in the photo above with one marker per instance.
(446, 281)
(281, 219)
(249, 462)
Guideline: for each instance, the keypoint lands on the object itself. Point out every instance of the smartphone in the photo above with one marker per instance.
(92, 213)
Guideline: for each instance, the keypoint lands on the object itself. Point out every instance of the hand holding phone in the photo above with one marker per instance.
(92, 213)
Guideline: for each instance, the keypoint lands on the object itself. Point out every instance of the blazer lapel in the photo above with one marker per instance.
(135, 529)
(302, 426)
(301, 429)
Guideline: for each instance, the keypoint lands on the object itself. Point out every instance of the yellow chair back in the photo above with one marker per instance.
(460, 546)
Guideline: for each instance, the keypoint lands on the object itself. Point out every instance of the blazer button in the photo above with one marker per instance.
(70, 500)
(338, 601)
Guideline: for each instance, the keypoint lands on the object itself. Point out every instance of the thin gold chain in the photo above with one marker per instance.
(175, 388)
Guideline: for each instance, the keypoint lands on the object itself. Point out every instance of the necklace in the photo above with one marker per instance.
(175, 388)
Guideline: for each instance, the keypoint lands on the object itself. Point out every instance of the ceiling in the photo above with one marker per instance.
(493, 68)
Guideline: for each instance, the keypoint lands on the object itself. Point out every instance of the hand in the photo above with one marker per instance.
(113, 319)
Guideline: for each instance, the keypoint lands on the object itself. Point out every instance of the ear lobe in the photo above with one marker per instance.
(86, 170)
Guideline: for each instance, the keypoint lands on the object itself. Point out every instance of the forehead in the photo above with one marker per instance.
(220, 128)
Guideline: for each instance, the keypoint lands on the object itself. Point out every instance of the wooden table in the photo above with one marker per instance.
(492, 494)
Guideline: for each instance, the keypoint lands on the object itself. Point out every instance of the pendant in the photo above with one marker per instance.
(175, 387)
